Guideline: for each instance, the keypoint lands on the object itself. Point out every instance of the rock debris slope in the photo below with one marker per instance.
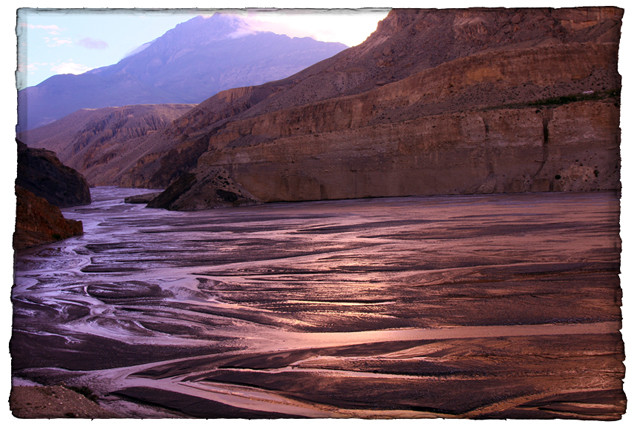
(433, 102)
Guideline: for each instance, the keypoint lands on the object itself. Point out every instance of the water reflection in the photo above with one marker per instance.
(385, 307)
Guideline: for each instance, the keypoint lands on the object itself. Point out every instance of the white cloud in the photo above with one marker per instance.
(56, 41)
(33, 67)
(349, 27)
(53, 30)
(69, 68)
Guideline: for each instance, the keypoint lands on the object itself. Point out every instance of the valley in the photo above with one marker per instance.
(424, 225)
(381, 308)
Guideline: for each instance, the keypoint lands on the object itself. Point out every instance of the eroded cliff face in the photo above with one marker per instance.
(43, 185)
(412, 110)
(497, 150)
(406, 45)
(519, 101)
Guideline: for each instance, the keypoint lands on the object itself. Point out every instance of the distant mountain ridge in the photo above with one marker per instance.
(188, 64)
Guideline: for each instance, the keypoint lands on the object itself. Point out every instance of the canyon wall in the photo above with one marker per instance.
(499, 150)
(39, 222)
(100, 143)
(418, 63)
(452, 101)
(43, 185)
(493, 103)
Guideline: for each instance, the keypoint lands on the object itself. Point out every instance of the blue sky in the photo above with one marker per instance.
(75, 41)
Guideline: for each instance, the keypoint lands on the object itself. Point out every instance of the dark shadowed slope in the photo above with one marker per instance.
(43, 185)
(186, 65)
(42, 173)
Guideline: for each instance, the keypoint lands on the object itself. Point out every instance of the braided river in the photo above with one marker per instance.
(484, 306)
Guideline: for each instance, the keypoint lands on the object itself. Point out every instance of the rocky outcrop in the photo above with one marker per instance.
(141, 199)
(39, 222)
(496, 101)
(43, 185)
(212, 188)
(42, 173)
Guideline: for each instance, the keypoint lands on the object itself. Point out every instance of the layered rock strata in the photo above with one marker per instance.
(508, 115)
(541, 117)
(434, 102)
(418, 63)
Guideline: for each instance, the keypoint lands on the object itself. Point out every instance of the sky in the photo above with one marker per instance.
(75, 41)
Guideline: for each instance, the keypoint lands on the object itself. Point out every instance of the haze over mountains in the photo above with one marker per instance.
(188, 64)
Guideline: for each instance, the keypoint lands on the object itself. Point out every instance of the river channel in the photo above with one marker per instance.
(486, 306)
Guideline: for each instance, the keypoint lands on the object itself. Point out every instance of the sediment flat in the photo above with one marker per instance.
(492, 306)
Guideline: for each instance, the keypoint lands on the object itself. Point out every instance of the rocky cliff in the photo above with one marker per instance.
(39, 222)
(42, 173)
(43, 185)
(434, 102)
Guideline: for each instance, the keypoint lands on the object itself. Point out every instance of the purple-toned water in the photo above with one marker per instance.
(457, 306)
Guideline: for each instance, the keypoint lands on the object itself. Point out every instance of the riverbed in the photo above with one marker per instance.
(484, 306)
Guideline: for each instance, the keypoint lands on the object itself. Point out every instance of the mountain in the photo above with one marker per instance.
(101, 142)
(456, 101)
(188, 64)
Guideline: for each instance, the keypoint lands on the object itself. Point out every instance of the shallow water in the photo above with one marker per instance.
(457, 306)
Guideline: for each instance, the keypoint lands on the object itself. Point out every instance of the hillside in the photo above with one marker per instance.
(458, 101)
(188, 64)
(43, 185)
(41, 172)
(99, 142)
(434, 102)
